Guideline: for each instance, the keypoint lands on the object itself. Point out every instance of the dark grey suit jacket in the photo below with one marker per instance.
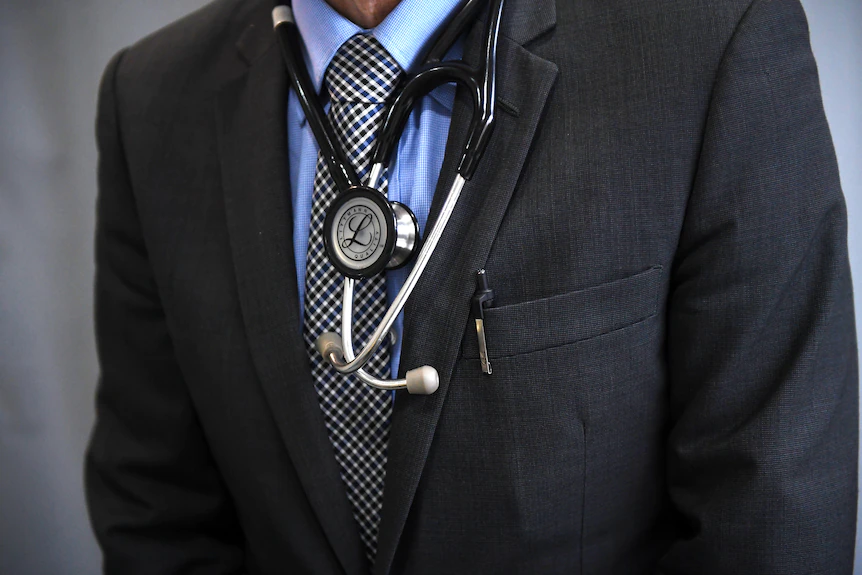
(659, 211)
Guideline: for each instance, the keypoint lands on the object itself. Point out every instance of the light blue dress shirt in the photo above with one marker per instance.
(406, 33)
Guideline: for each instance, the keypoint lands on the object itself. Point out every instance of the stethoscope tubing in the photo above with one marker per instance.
(340, 168)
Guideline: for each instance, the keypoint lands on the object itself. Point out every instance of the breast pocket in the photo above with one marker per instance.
(516, 442)
(567, 318)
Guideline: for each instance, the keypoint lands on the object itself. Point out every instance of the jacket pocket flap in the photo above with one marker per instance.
(562, 319)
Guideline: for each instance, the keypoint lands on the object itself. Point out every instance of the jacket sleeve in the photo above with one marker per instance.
(761, 348)
(156, 500)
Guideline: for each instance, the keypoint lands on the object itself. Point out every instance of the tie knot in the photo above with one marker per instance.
(362, 71)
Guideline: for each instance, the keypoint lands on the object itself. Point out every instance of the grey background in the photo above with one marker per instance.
(52, 54)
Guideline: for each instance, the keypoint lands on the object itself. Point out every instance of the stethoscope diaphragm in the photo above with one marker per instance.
(364, 233)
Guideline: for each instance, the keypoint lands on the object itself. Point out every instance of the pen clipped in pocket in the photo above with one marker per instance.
(566, 318)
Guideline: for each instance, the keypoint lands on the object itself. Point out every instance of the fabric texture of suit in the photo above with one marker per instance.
(660, 215)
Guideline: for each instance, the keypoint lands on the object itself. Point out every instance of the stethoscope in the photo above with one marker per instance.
(365, 233)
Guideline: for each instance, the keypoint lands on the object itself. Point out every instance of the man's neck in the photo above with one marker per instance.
(364, 13)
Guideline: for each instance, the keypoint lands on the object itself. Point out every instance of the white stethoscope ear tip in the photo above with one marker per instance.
(423, 380)
(329, 343)
(281, 14)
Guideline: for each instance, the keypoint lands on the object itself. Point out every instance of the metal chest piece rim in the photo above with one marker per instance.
(365, 234)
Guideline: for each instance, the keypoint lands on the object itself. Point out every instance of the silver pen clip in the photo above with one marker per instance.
(483, 298)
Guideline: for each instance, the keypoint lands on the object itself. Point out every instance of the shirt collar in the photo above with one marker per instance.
(406, 33)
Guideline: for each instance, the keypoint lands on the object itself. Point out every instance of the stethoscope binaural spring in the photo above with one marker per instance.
(359, 209)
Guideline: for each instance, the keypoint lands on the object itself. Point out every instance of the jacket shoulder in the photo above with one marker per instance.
(707, 24)
(185, 60)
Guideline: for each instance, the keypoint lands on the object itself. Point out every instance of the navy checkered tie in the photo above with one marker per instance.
(360, 79)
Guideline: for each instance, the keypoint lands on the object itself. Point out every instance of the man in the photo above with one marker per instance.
(658, 212)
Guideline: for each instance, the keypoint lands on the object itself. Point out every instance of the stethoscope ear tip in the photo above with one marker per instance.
(423, 380)
(329, 345)
(281, 14)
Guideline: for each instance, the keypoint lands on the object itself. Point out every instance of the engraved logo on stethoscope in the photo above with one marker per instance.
(357, 224)
(359, 233)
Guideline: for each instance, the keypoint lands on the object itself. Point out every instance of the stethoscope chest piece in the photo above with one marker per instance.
(364, 233)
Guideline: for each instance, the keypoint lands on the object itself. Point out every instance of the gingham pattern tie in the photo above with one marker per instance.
(360, 79)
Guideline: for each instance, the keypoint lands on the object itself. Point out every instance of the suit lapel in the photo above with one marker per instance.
(251, 116)
(438, 310)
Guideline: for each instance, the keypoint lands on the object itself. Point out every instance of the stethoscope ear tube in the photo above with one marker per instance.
(466, 14)
(289, 42)
(422, 380)
(425, 80)
(483, 122)
(435, 73)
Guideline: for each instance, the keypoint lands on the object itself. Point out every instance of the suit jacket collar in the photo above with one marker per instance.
(251, 109)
